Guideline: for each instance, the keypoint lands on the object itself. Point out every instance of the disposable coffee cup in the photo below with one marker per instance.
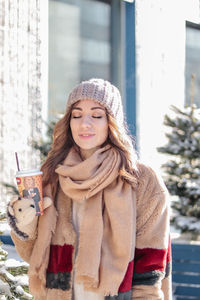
(29, 184)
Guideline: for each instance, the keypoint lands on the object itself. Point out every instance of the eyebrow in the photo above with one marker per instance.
(93, 108)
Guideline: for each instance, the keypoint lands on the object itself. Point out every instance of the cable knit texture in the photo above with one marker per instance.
(101, 91)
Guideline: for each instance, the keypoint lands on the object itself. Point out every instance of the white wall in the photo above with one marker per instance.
(23, 88)
(44, 33)
(160, 62)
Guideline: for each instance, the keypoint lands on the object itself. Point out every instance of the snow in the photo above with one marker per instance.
(9, 276)
(22, 279)
(17, 282)
(4, 228)
(196, 171)
(3, 253)
(4, 288)
(188, 222)
(19, 290)
(13, 263)
(174, 232)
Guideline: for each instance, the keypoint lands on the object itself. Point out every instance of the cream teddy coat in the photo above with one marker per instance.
(150, 278)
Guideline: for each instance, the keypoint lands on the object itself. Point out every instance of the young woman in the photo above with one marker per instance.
(106, 234)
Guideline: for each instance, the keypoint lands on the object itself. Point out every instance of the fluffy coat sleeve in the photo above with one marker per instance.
(151, 277)
(25, 247)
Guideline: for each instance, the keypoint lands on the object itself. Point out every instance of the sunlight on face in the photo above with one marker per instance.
(89, 126)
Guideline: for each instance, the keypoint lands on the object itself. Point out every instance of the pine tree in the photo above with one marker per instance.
(183, 171)
(13, 276)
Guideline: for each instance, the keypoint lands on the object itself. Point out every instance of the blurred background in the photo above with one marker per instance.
(150, 49)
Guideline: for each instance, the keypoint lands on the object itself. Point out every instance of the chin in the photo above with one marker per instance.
(88, 147)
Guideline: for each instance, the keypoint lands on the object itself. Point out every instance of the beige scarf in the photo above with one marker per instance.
(107, 229)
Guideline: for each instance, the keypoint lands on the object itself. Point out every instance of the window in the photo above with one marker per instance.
(192, 69)
(79, 46)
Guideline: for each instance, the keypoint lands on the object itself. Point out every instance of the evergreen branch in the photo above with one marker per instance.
(11, 189)
(182, 174)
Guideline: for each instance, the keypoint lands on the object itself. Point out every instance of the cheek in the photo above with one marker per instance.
(103, 132)
(106, 131)
(73, 128)
(74, 131)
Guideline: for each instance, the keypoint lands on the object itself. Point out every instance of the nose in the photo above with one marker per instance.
(86, 122)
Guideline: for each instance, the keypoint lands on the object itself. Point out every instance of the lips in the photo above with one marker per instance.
(86, 135)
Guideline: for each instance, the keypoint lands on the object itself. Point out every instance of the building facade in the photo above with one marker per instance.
(167, 54)
(22, 86)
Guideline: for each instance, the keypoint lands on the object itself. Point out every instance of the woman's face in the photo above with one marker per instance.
(89, 125)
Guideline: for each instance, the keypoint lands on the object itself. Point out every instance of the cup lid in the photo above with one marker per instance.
(30, 172)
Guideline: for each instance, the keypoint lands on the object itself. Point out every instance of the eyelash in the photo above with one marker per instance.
(74, 117)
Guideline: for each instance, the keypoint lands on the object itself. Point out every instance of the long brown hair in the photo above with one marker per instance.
(118, 137)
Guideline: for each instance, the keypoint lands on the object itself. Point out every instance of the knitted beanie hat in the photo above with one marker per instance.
(101, 91)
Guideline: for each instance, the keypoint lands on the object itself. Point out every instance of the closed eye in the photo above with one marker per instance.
(76, 117)
(99, 117)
